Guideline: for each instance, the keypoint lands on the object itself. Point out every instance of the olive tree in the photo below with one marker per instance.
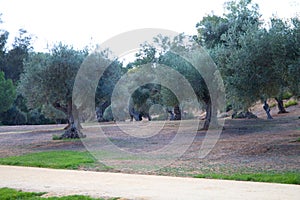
(175, 53)
(48, 81)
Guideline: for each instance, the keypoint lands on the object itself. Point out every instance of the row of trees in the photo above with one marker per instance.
(180, 54)
(257, 61)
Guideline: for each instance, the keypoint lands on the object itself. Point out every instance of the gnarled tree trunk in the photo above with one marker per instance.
(73, 129)
(207, 116)
(177, 113)
(134, 114)
(172, 116)
(100, 109)
(267, 109)
(210, 117)
(280, 106)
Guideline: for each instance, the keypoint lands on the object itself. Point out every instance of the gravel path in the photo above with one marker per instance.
(129, 186)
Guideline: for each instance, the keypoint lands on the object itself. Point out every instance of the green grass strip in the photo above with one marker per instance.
(285, 178)
(12, 194)
(51, 159)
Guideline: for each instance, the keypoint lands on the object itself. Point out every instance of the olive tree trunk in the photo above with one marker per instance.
(211, 119)
(280, 106)
(73, 130)
(177, 112)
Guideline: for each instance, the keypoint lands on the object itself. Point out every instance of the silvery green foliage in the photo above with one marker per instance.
(257, 61)
(48, 79)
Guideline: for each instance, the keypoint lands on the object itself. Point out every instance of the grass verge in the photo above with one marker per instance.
(51, 159)
(57, 137)
(12, 194)
(285, 178)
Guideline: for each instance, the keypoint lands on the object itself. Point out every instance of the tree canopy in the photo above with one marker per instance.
(48, 80)
(255, 60)
(7, 93)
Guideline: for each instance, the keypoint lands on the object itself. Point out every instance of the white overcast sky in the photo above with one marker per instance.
(77, 21)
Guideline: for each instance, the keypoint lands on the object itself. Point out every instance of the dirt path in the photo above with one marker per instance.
(129, 186)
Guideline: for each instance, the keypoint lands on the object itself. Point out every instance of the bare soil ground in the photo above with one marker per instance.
(244, 145)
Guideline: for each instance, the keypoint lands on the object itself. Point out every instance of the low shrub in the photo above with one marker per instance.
(290, 103)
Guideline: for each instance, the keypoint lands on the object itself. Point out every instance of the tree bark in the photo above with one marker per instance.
(267, 109)
(280, 106)
(172, 117)
(100, 111)
(207, 116)
(65, 110)
(177, 113)
(76, 119)
(210, 117)
(73, 129)
(148, 116)
(134, 114)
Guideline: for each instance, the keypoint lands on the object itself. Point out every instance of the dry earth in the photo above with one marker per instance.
(243, 146)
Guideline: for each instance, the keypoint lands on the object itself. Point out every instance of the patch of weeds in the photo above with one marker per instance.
(58, 137)
(105, 168)
(272, 105)
(285, 178)
(298, 139)
(290, 103)
(97, 166)
(51, 159)
(12, 194)
(9, 194)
